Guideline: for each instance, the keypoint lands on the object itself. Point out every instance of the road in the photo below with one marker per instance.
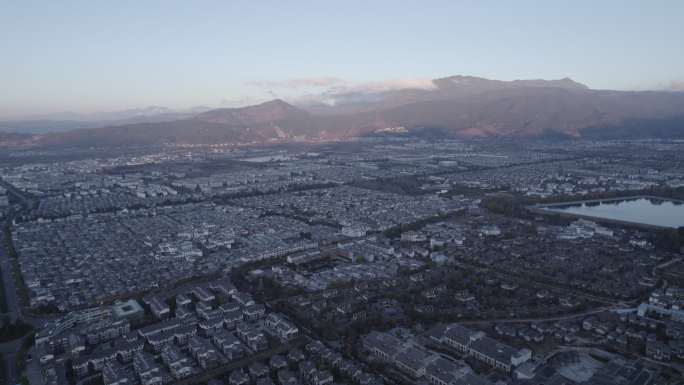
(9, 288)
(9, 359)
(543, 319)
(27, 201)
(9, 349)
(14, 308)
(663, 265)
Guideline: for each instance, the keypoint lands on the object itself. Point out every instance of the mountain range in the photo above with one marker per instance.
(456, 106)
(65, 121)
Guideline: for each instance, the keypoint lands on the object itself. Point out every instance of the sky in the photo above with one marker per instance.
(88, 56)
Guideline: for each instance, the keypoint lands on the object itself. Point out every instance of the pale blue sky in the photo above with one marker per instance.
(108, 55)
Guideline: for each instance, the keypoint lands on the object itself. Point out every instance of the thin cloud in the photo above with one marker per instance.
(393, 85)
(337, 85)
(676, 85)
(231, 103)
(320, 82)
(364, 91)
(332, 90)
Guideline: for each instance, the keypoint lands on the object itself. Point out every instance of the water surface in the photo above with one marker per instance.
(648, 211)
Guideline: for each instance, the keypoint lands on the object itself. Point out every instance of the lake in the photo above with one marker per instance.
(639, 210)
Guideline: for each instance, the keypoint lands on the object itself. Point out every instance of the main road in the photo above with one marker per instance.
(9, 349)
(9, 286)
(14, 312)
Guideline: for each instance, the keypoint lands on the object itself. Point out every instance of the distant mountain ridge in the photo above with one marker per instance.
(456, 106)
(448, 88)
(65, 121)
(271, 111)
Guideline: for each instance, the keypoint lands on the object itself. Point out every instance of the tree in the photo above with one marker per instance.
(670, 239)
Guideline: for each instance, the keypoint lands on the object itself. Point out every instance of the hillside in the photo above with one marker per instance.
(457, 106)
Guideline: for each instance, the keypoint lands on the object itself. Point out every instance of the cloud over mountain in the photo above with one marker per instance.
(298, 83)
(676, 85)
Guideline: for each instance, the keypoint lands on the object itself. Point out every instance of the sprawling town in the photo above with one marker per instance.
(373, 261)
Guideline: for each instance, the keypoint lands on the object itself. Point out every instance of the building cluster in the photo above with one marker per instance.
(210, 325)
(4, 199)
(583, 228)
(557, 177)
(483, 348)
(72, 262)
(417, 362)
(614, 262)
(354, 210)
(339, 274)
(364, 263)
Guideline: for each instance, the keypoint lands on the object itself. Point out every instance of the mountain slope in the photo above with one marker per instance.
(448, 88)
(531, 112)
(461, 107)
(275, 120)
(269, 112)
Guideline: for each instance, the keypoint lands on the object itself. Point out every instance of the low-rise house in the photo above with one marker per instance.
(497, 354)
(286, 377)
(483, 348)
(184, 333)
(258, 370)
(106, 330)
(147, 370)
(223, 286)
(322, 377)
(281, 327)
(114, 374)
(127, 349)
(445, 372)
(277, 362)
(203, 352)
(160, 340)
(238, 377)
(207, 327)
(659, 351)
(160, 327)
(254, 312)
(229, 345)
(159, 309)
(306, 371)
(460, 337)
(244, 299)
(182, 300)
(179, 365)
(232, 318)
(408, 358)
(295, 355)
(252, 337)
(264, 381)
(202, 294)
